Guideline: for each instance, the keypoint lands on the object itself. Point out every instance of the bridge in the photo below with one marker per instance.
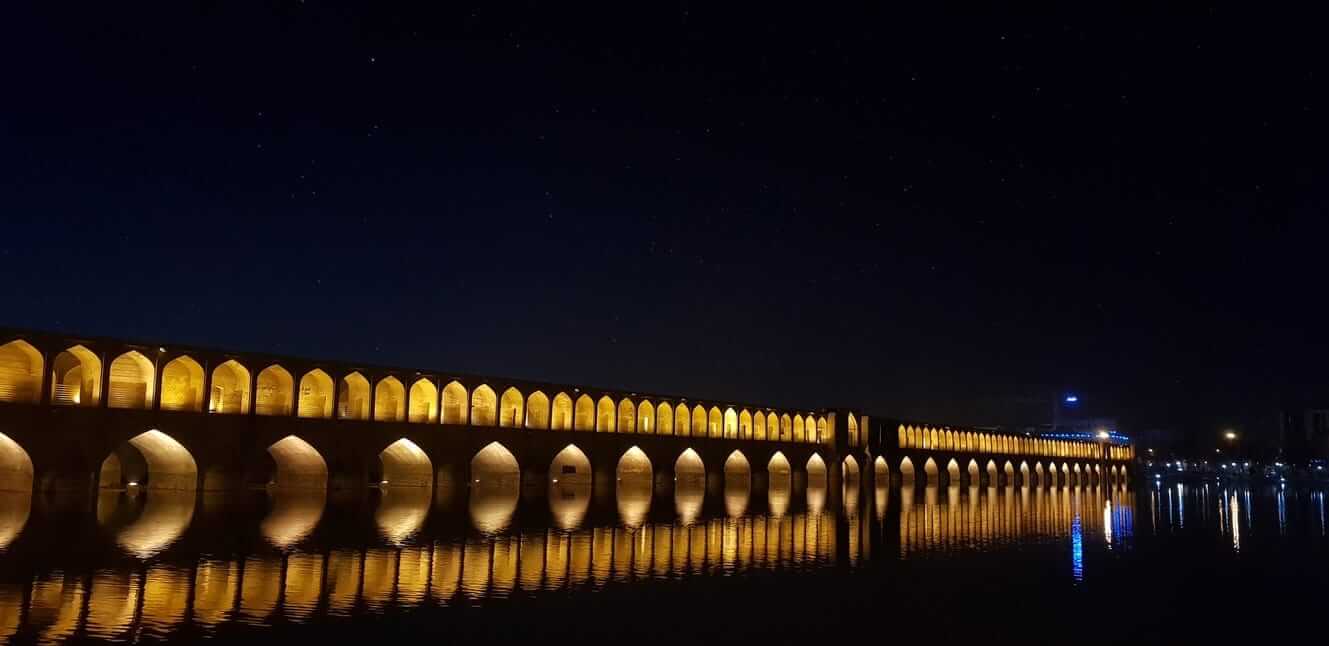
(81, 413)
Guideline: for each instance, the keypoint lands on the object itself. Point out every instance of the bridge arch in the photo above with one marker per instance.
(484, 404)
(633, 476)
(298, 465)
(316, 395)
(689, 486)
(495, 488)
(1024, 473)
(953, 473)
(881, 472)
(816, 470)
(537, 411)
(646, 417)
(1040, 476)
(779, 484)
(423, 404)
(715, 423)
(159, 462)
(182, 385)
(132, 381)
(455, 403)
(405, 464)
(1052, 474)
(353, 397)
(698, 421)
(786, 428)
(76, 378)
(907, 474)
(745, 425)
(664, 419)
(682, 420)
(274, 392)
(21, 368)
(561, 420)
(605, 415)
(992, 473)
(931, 472)
(570, 467)
(759, 426)
(390, 400)
(510, 408)
(798, 428)
(689, 468)
(850, 466)
(230, 389)
(730, 424)
(584, 416)
(627, 416)
(15, 466)
(973, 471)
(737, 471)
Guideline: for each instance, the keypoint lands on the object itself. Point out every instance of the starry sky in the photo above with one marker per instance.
(939, 213)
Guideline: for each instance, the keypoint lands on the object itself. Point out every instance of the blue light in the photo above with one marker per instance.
(1072, 399)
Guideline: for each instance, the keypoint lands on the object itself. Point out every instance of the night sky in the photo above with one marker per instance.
(952, 215)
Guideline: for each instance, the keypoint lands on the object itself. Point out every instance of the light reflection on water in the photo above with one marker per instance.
(159, 563)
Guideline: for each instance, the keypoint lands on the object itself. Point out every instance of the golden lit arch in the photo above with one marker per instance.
(904, 437)
(561, 420)
(907, 471)
(353, 397)
(405, 464)
(230, 389)
(390, 400)
(484, 406)
(786, 428)
(494, 467)
(627, 416)
(15, 470)
(275, 387)
(182, 385)
(645, 417)
(881, 472)
(570, 467)
(730, 422)
(169, 464)
(822, 434)
(698, 421)
(21, 368)
(816, 470)
(930, 471)
(455, 403)
(76, 378)
(585, 414)
(850, 469)
(131, 386)
(953, 471)
(682, 420)
(664, 419)
(798, 428)
(605, 415)
(973, 470)
(715, 423)
(423, 402)
(745, 425)
(737, 471)
(759, 426)
(510, 408)
(298, 464)
(537, 410)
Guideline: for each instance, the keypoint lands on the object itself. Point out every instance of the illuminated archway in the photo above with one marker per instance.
(930, 471)
(20, 373)
(230, 389)
(405, 464)
(682, 420)
(298, 465)
(633, 490)
(484, 405)
(584, 419)
(881, 472)
(76, 378)
(730, 430)
(131, 380)
(715, 423)
(973, 471)
(759, 426)
(510, 409)
(423, 402)
(779, 484)
(390, 400)
(798, 428)
(1024, 473)
(698, 421)
(737, 484)
(1009, 470)
(953, 473)
(570, 482)
(1053, 478)
(182, 385)
(689, 485)
(316, 395)
(274, 392)
(689, 469)
(646, 417)
(627, 416)
(15, 467)
(561, 420)
(823, 435)
(537, 410)
(604, 415)
(495, 487)
(907, 475)
(570, 467)
(850, 466)
(353, 397)
(852, 424)
(455, 403)
(166, 465)
(816, 470)
(786, 428)
(745, 425)
(992, 473)
(664, 419)
(1039, 474)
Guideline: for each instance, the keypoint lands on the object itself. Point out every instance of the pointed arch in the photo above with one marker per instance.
(494, 466)
(484, 406)
(698, 421)
(495, 488)
(816, 470)
(759, 426)
(298, 464)
(510, 408)
(423, 402)
(182, 385)
(823, 436)
(537, 410)
(316, 395)
(689, 469)
(953, 472)
(353, 397)
(786, 428)
(634, 466)
(1024, 473)
(15, 466)
(973, 470)
(881, 472)
(585, 414)
(664, 419)
(390, 400)
(715, 423)
(21, 368)
(907, 474)
(132, 377)
(904, 437)
(169, 465)
(627, 416)
(561, 420)
(456, 403)
(605, 415)
(76, 378)
(230, 389)
(570, 467)
(405, 464)
(730, 430)
(850, 467)
(682, 420)
(737, 472)
(930, 470)
(633, 476)
(275, 388)
(778, 468)
(646, 417)
(744, 425)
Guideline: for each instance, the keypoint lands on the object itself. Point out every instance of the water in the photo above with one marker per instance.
(1047, 566)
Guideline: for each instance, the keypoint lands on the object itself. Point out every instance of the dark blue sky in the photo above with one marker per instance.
(941, 214)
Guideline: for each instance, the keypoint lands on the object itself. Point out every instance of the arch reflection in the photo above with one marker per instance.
(293, 515)
(402, 512)
(145, 523)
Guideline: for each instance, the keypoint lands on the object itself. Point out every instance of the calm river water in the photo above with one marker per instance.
(1151, 563)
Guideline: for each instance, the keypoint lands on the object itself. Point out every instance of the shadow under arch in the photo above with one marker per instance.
(293, 515)
(157, 461)
(495, 487)
(779, 484)
(635, 478)
(15, 466)
(689, 485)
(405, 464)
(298, 465)
(570, 482)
